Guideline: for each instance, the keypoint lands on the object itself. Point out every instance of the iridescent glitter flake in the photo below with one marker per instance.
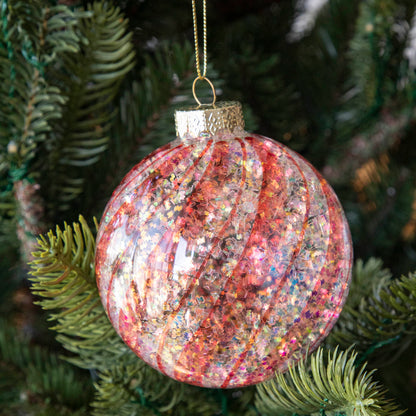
(223, 259)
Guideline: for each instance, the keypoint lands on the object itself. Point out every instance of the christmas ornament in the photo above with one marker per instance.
(223, 256)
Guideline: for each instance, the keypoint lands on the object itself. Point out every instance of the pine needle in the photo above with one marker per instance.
(63, 275)
(380, 318)
(330, 384)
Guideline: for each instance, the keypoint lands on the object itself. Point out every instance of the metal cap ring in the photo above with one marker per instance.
(204, 78)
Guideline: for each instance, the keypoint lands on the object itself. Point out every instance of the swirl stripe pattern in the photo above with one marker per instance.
(223, 259)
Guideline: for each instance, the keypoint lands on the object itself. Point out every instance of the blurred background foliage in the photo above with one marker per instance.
(88, 89)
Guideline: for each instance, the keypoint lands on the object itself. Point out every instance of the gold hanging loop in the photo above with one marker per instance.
(201, 75)
(206, 119)
(214, 95)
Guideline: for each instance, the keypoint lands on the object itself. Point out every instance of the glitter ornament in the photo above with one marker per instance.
(223, 256)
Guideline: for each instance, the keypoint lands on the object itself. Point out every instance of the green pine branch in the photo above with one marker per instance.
(161, 130)
(331, 385)
(380, 319)
(145, 93)
(255, 79)
(356, 48)
(371, 51)
(36, 370)
(376, 105)
(153, 93)
(136, 389)
(90, 79)
(64, 277)
(367, 279)
(33, 37)
(61, 71)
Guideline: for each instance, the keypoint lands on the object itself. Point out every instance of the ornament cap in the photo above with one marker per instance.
(209, 119)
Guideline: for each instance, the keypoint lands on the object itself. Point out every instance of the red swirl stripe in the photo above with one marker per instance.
(217, 274)
(167, 237)
(195, 279)
(123, 211)
(266, 315)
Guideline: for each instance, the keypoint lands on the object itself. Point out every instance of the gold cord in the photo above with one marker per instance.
(201, 76)
(198, 67)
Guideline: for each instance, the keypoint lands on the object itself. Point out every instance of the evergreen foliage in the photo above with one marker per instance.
(384, 315)
(130, 390)
(90, 79)
(64, 277)
(41, 373)
(333, 386)
(86, 93)
(367, 277)
(62, 69)
(33, 39)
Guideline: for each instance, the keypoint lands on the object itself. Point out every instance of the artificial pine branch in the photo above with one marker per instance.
(135, 389)
(31, 38)
(371, 51)
(145, 93)
(64, 277)
(382, 318)
(162, 127)
(40, 373)
(161, 86)
(253, 69)
(375, 140)
(377, 105)
(34, 37)
(367, 278)
(330, 385)
(91, 79)
(317, 57)
(385, 191)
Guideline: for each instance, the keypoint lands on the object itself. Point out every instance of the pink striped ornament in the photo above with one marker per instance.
(223, 258)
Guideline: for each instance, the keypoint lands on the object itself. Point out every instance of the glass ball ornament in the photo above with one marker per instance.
(223, 256)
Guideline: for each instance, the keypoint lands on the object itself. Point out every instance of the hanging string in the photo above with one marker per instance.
(201, 75)
(204, 40)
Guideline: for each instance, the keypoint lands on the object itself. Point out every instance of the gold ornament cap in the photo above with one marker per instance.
(209, 119)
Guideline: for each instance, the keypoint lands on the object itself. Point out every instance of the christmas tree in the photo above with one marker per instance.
(89, 88)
